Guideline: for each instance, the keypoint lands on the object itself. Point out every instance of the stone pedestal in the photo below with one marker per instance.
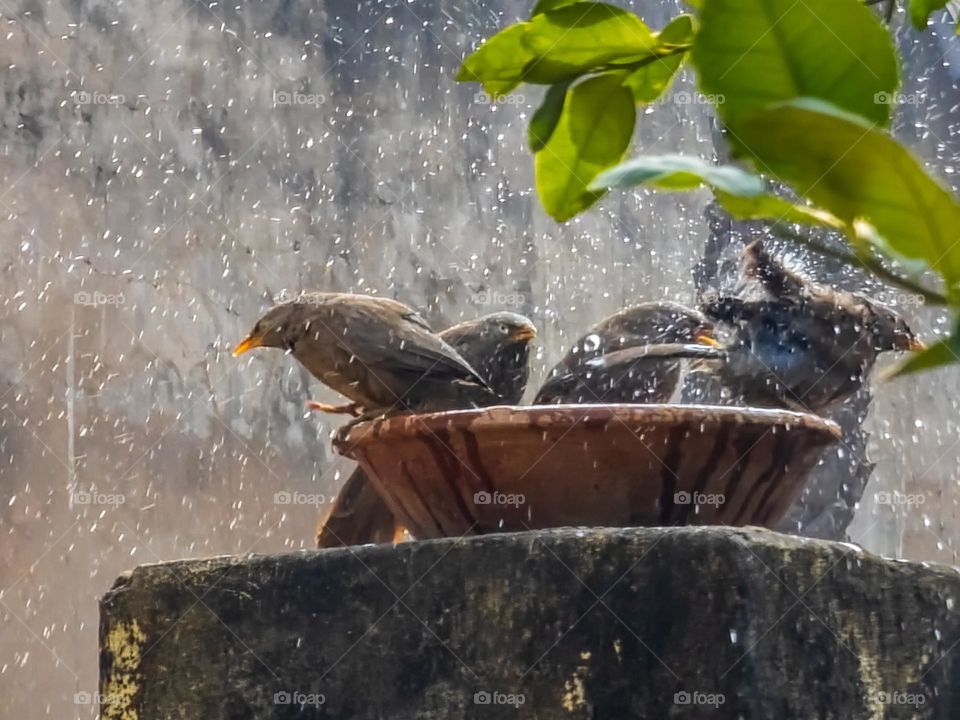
(640, 623)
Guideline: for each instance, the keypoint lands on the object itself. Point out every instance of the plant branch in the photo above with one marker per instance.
(930, 297)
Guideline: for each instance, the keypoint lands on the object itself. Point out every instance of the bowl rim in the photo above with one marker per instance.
(560, 416)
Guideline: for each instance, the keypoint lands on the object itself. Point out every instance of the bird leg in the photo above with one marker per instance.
(362, 415)
(347, 409)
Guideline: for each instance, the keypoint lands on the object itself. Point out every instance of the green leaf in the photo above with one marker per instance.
(651, 80)
(679, 172)
(840, 163)
(679, 31)
(752, 53)
(920, 11)
(592, 134)
(559, 45)
(545, 119)
(581, 37)
(863, 235)
(740, 192)
(776, 209)
(943, 352)
(499, 62)
(548, 5)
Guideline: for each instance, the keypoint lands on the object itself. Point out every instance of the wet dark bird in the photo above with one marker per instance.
(375, 351)
(804, 346)
(633, 356)
(498, 346)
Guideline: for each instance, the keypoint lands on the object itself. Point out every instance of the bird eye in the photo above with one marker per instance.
(504, 329)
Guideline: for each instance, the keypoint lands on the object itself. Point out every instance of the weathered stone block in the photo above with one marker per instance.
(639, 623)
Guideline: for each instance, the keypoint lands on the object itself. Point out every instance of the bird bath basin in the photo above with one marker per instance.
(505, 469)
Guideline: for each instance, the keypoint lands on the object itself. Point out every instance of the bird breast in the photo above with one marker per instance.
(335, 366)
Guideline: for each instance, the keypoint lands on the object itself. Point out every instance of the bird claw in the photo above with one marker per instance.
(347, 409)
(341, 433)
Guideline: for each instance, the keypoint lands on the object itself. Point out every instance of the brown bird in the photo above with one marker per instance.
(375, 351)
(806, 346)
(498, 346)
(633, 356)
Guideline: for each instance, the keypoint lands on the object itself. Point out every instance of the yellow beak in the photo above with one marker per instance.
(705, 338)
(917, 346)
(248, 343)
(523, 334)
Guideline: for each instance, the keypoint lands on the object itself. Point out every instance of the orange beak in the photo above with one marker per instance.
(248, 343)
(705, 337)
(916, 345)
(523, 334)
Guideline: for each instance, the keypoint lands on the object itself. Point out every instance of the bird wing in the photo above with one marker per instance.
(468, 331)
(358, 516)
(785, 310)
(556, 386)
(389, 334)
(563, 379)
(662, 351)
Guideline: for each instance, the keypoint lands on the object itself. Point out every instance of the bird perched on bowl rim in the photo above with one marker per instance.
(375, 351)
(805, 346)
(632, 356)
(498, 346)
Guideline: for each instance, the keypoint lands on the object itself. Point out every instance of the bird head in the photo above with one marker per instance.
(498, 347)
(666, 322)
(496, 330)
(891, 331)
(273, 329)
(510, 327)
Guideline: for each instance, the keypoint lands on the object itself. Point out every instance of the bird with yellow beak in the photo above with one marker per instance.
(376, 352)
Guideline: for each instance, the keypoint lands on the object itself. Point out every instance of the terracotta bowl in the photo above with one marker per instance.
(502, 469)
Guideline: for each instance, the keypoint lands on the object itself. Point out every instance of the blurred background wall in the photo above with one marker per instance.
(168, 167)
